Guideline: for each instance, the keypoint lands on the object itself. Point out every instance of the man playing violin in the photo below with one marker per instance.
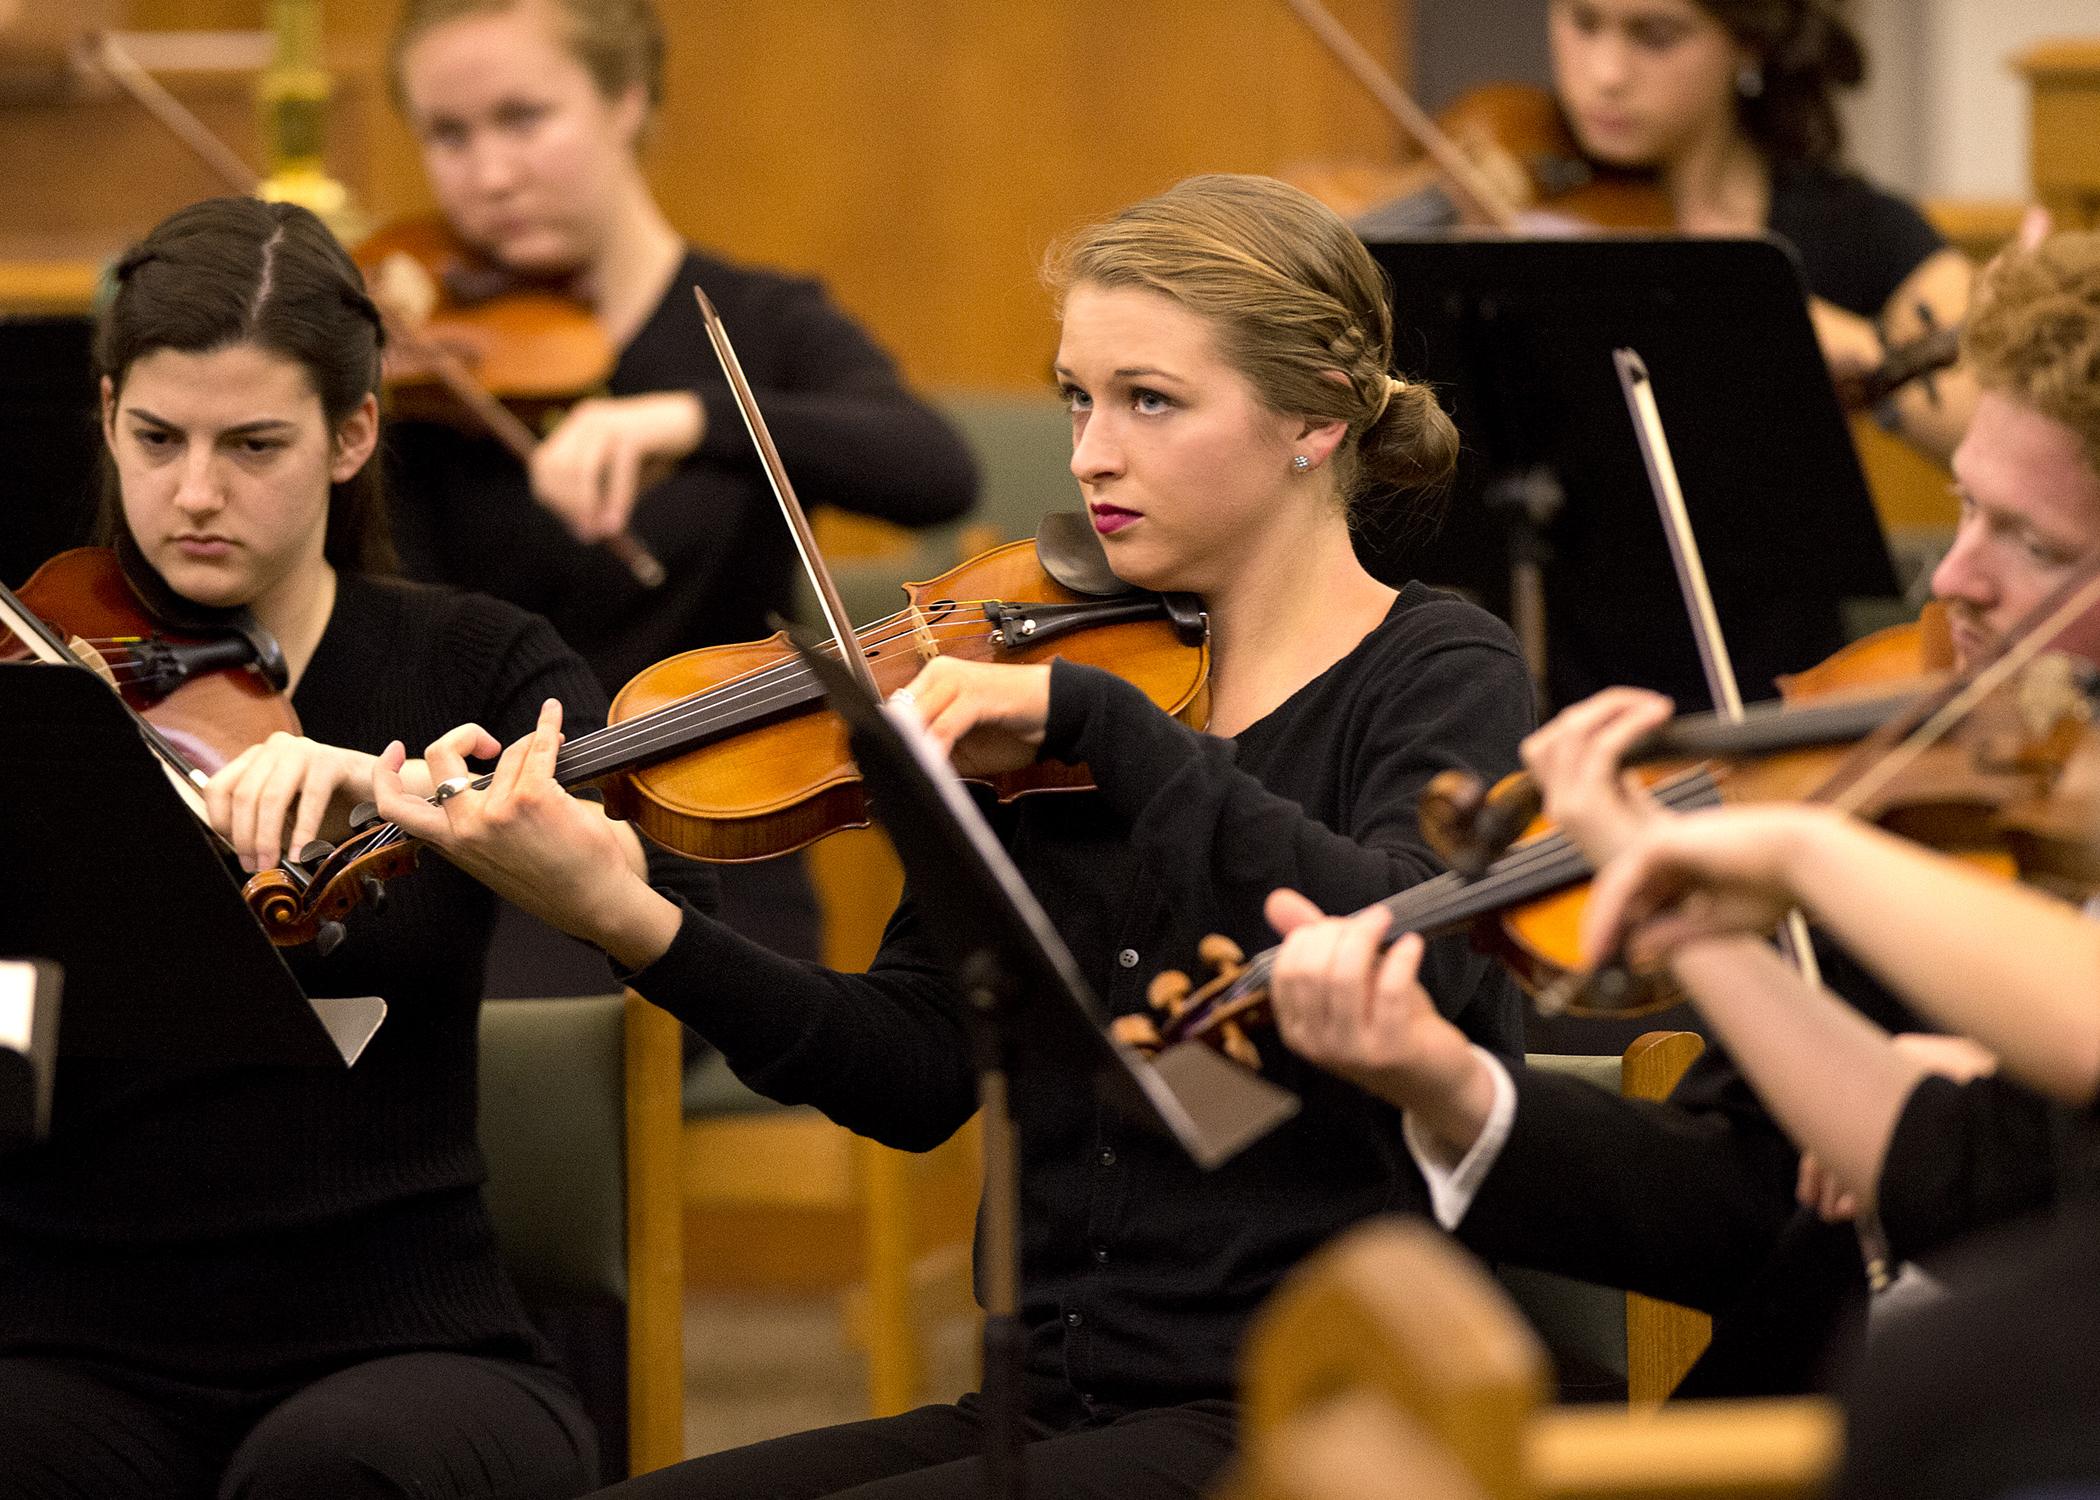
(1693, 1200)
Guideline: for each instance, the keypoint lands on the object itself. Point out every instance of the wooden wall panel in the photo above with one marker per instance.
(920, 154)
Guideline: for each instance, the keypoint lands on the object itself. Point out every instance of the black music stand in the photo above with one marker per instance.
(1517, 337)
(104, 872)
(28, 1049)
(1031, 1011)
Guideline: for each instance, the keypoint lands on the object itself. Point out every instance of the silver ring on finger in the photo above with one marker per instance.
(451, 787)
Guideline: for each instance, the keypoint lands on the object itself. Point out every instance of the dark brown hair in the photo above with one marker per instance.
(1804, 52)
(241, 271)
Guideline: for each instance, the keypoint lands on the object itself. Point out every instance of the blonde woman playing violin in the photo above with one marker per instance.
(1226, 356)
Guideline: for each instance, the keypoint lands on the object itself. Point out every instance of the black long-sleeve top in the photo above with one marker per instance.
(1690, 1199)
(243, 1221)
(1138, 1270)
(849, 432)
(1966, 1156)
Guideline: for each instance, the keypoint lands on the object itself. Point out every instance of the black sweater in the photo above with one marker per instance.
(242, 1221)
(849, 432)
(1139, 1271)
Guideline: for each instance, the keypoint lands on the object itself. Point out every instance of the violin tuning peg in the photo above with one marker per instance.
(314, 852)
(363, 816)
(1234, 1040)
(1221, 953)
(1135, 1031)
(1449, 807)
(1611, 988)
(1168, 992)
(375, 892)
(329, 938)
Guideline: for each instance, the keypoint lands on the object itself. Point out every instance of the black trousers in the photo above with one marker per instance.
(933, 1453)
(429, 1425)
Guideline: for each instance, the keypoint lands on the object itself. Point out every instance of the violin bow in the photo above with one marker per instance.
(1460, 172)
(835, 617)
(1699, 609)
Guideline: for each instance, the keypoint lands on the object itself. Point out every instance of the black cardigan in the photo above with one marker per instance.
(1139, 1271)
(849, 432)
(235, 1222)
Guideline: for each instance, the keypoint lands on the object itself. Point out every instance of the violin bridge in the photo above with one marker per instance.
(93, 660)
(922, 641)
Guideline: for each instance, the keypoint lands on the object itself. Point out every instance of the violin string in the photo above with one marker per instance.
(1544, 864)
(739, 699)
(753, 679)
(680, 720)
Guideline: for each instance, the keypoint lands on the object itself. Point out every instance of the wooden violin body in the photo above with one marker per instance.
(729, 753)
(782, 784)
(533, 350)
(210, 695)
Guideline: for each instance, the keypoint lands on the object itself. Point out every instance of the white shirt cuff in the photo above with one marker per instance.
(1451, 1187)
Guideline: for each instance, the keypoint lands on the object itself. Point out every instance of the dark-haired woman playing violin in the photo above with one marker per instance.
(1226, 355)
(269, 1281)
(1731, 104)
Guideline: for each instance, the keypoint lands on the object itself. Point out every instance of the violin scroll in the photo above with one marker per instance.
(306, 901)
(1183, 1013)
(1469, 825)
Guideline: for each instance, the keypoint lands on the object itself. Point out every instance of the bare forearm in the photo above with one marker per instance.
(2016, 970)
(1829, 1076)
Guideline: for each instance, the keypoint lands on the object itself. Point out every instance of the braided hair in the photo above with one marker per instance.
(1297, 306)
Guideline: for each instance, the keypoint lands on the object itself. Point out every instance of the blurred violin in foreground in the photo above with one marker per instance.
(1999, 766)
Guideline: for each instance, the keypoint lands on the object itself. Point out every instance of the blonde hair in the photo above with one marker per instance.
(620, 43)
(2034, 334)
(1296, 305)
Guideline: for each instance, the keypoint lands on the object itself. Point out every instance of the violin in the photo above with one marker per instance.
(1517, 139)
(210, 683)
(1501, 156)
(729, 753)
(533, 350)
(1917, 359)
(472, 347)
(2000, 766)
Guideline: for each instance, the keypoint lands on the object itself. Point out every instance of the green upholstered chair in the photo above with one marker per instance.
(1604, 1340)
(580, 1123)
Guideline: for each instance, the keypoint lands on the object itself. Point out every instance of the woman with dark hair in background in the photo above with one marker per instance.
(264, 1281)
(1226, 354)
(1731, 104)
(531, 116)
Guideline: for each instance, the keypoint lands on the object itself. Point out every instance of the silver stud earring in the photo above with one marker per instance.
(1749, 80)
(1302, 464)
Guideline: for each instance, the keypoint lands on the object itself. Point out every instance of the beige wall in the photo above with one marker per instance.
(1943, 115)
(919, 154)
